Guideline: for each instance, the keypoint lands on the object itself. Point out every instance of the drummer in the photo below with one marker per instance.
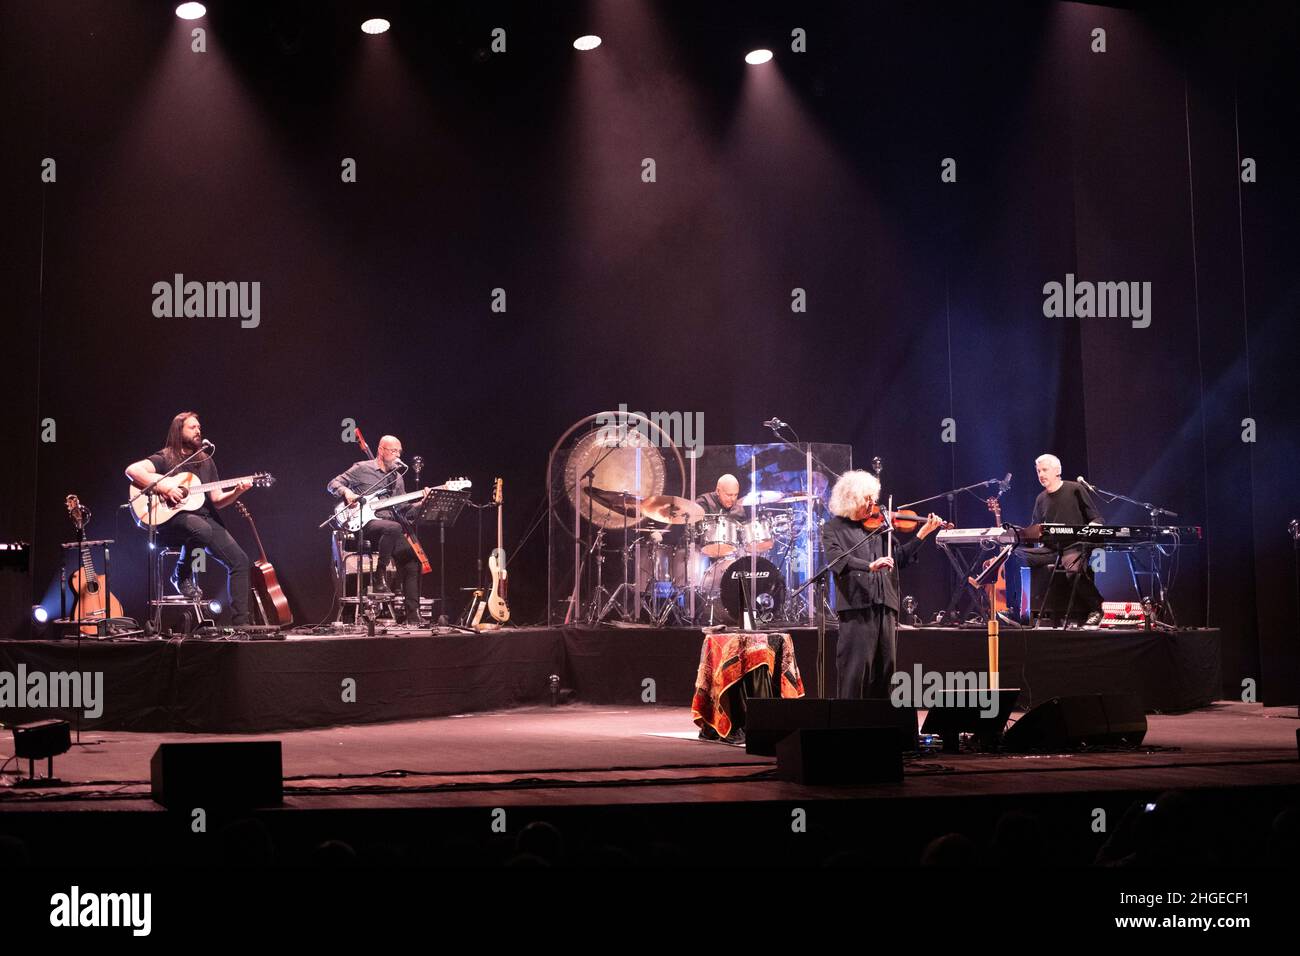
(724, 499)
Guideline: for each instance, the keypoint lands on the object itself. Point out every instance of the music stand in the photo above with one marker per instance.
(442, 507)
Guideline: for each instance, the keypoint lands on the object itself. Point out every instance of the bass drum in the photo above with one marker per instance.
(762, 578)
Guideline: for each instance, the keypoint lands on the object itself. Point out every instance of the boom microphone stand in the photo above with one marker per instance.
(1158, 595)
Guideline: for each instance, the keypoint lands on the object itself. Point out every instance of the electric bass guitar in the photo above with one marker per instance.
(195, 495)
(496, 602)
(91, 600)
(353, 517)
(266, 586)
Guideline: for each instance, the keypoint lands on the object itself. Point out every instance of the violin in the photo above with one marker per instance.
(904, 520)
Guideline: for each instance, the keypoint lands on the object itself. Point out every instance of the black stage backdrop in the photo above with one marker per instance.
(522, 170)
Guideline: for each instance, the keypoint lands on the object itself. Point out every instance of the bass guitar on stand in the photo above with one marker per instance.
(495, 604)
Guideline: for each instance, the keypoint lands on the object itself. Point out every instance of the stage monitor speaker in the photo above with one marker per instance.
(229, 775)
(840, 755)
(768, 719)
(960, 715)
(1069, 723)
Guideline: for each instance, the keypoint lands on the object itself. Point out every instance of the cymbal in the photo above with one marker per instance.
(794, 499)
(671, 510)
(614, 500)
(760, 498)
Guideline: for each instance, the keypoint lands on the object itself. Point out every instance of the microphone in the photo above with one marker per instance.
(1086, 483)
(401, 464)
(774, 423)
(1005, 484)
(208, 445)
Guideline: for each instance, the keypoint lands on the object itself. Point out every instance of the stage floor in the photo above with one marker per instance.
(627, 786)
(581, 754)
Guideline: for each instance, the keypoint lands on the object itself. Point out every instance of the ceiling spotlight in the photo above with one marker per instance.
(588, 42)
(755, 57)
(191, 11)
(376, 25)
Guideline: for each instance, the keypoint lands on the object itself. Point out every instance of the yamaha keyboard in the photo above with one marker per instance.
(1110, 536)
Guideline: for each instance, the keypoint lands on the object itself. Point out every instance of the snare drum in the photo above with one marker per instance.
(719, 535)
(687, 570)
(757, 536)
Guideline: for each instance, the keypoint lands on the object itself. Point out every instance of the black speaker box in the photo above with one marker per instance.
(767, 720)
(840, 755)
(1068, 723)
(229, 775)
(960, 714)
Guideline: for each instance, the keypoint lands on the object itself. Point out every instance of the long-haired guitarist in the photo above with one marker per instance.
(203, 527)
(385, 534)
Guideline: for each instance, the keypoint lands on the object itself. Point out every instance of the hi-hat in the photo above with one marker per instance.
(760, 498)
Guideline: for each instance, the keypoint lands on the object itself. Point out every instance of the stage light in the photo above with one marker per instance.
(215, 607)
(375, 25)
(191, 11)
(39, 614)
(585, 43)
(755, 57)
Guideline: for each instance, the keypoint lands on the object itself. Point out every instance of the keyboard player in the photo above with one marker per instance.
(1064, 502)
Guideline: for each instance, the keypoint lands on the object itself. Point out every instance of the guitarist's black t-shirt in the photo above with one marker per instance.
(204, 468)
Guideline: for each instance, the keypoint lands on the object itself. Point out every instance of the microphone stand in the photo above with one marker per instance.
(1158, 595)
(952, 493)
(776, 433)
(962, 573)
(154, 624)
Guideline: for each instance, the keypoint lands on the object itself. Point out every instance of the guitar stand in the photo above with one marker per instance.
(64, 624)
(952, 613)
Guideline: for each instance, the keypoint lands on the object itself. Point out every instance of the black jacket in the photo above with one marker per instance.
(855, 586)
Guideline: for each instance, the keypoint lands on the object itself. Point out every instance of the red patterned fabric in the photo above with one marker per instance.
(726, 658)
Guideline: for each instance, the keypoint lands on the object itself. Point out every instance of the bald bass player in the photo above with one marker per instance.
(384, 534)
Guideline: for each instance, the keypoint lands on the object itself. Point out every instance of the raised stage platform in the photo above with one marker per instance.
(634, 784)
(320, 681)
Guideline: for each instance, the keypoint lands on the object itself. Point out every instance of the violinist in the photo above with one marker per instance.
(866, 584)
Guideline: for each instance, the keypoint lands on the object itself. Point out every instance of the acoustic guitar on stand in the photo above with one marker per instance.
(90, 600)
(266, 586)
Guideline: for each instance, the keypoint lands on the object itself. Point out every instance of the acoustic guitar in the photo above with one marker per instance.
(266, 586)
(195, 495)
(90, 599)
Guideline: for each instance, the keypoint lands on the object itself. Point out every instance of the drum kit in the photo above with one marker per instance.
(718, 567)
